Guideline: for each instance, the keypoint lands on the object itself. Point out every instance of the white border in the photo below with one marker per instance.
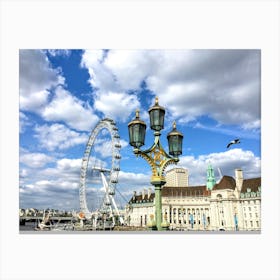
(135, 25)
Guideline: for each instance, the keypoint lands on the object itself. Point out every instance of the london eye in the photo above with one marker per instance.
(93, 168)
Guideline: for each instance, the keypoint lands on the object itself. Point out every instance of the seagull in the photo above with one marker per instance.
(236, 141)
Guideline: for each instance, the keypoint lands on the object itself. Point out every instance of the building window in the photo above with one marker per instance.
(257, 215)
(250, 215)
(257, 223)
(249, 208)
(251, 223)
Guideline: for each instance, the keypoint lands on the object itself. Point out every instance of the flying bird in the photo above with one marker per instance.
(236, 141)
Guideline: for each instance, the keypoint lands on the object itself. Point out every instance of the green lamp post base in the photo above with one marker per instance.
(165, 225)
(152, 225)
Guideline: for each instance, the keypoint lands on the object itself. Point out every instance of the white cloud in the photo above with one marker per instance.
(123, 143)
(250, 132)
(34, 102)
(36, 78)
(23, 122)
(131, 67)
(254, 125)
(227, 162)
(69, 164)
(38, 81)
(50, 187)
(53, 186)
(58, 136)
(58, 187)
(103, 147)
(130, 180)
(65, 107)
(222, 84)
(100, 76)
(59, 52)
(35, 160)
(118, 106)
(55, 194)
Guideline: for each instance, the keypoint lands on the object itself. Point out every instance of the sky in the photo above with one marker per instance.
(213, 95)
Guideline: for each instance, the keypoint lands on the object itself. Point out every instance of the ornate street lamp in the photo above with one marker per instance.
(156, 156)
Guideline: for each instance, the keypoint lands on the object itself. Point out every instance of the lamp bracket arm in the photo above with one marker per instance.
(155, 146)
(156, 157)
(166, 163)
(147, 156)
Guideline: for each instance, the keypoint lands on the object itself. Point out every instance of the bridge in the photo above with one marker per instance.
(61, 219)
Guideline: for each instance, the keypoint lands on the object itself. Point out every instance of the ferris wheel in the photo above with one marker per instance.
(109, 174)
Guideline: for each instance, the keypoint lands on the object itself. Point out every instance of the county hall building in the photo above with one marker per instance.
(230, 204)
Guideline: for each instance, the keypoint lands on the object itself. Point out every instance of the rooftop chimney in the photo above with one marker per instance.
(149, 192)
(239, 179)
(143, 193)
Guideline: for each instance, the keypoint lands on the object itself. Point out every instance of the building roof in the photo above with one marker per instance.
(227, 182)
(185, 191)
(252, 184)
(138, 198)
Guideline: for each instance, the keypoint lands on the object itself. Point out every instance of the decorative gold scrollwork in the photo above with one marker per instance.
(157, 159)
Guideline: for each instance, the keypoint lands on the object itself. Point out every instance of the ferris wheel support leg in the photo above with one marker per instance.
(104, 181)
(117, 210)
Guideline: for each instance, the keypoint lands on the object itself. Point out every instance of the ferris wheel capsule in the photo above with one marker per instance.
(107, 202)
(111, 192)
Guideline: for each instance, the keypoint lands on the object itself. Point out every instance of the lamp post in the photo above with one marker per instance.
(156, 156)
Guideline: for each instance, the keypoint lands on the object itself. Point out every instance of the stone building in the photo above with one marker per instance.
(231, 204)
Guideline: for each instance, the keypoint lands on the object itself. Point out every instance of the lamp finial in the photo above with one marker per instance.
(137, 113)
(156, 102)
(174, 125)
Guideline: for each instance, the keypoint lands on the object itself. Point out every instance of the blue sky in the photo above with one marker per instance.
(214, 96)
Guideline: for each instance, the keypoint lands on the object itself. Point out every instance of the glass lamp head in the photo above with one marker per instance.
(157, 113)
(175, 141)
(137, 132)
